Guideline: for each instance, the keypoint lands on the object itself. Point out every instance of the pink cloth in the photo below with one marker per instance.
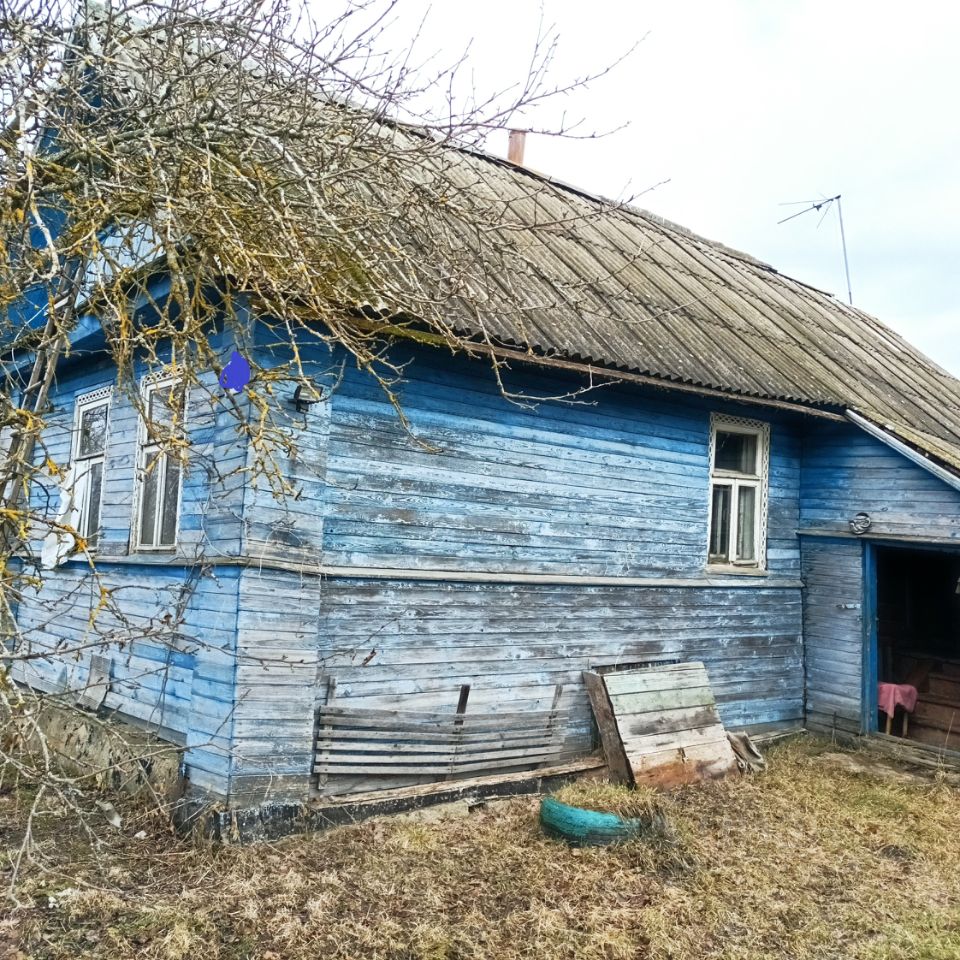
(893, 695)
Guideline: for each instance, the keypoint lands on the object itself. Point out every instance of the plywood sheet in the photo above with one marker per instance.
(659, 725)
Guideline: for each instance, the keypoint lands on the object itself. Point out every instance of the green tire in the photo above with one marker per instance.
(586, 828)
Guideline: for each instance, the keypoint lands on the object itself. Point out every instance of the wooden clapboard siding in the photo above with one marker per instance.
(615, 486)
(846, 471)
(833, 632)
(150, 677)
(290, 528)
(276, 690)
(211, 621)
(183, 687)
(178, 683)
(410, 645)
(211, 510)
(213, 479)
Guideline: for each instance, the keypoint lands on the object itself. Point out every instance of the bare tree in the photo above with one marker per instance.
(264, 164)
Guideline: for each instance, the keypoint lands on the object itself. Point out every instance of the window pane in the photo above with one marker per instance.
(720, 524)
(171, 491)
(737, 452)
(165, 408)
(93, 431)
(91, 522)
(148, 500)
(746, 523)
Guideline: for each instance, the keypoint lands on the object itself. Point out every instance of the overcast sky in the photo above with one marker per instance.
(744, 105)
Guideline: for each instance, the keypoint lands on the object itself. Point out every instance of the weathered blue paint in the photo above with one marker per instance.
(833, 632)
(870, 648)
(846, 471)
(410, 563)
(617, 488)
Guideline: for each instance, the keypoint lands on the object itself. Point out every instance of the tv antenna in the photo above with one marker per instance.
(825, 206)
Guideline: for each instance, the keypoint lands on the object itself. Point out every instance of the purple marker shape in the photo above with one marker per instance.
(236, 374)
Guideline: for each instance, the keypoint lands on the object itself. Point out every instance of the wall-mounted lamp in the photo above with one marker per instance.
(302, 403)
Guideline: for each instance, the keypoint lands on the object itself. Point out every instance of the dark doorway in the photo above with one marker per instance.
(918, 639)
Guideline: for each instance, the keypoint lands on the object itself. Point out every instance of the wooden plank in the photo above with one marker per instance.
(379, 763)
(610, 739)
(336, 734)
(681, 739)
(98, 682)
(323, 728)
(633, 703)
(677, 766)
(374, 743)
(658, 679)
(336, 745)
(554, 729)
(667, 721)
(573, 768)
(663, 721)
(481, 728)
(458, 725)
(426, 769)
(380, 757)
(936, 754)
(431, 717)
(477, 726)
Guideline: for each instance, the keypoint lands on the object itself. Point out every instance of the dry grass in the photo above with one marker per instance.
(804, 861)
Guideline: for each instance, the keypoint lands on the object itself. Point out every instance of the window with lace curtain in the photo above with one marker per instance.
(91, 414)
(739, 467)
(159, 467)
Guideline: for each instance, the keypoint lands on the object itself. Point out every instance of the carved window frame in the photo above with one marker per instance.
(88, 466)
(736, 481)
(147, 447)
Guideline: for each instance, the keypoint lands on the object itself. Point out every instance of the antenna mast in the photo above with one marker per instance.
(843, 238)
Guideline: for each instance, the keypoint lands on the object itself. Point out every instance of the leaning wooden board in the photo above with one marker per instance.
(659, 725)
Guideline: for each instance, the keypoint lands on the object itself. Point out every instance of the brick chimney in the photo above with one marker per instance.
(515, 149)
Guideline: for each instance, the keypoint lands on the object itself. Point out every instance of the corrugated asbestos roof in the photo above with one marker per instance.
(619, 287)
(557, 272)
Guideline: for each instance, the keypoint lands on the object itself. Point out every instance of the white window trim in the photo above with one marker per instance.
(81, 480)
(760, 482)
(144, 447)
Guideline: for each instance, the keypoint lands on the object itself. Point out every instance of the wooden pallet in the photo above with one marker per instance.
(439, 745)
(659, 725)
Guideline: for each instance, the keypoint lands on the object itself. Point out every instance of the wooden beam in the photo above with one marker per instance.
(613, 751)
(746, 579)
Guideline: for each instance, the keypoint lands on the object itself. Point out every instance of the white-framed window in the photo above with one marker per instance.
(157, 510)
(739, 466)
(91, 418)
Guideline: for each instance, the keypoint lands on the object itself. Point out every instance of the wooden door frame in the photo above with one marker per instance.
(868, 715)
(868, 697)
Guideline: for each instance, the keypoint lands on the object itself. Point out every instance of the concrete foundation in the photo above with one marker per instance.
(108, 753)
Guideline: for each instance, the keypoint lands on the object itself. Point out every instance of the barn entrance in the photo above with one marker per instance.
(918, 641)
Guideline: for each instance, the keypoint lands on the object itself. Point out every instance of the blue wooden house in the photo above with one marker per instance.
(768, 481)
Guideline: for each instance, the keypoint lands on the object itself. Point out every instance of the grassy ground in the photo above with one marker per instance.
(806, 860)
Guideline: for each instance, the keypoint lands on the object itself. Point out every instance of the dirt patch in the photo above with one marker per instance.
(872, 767)
(882, 767)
